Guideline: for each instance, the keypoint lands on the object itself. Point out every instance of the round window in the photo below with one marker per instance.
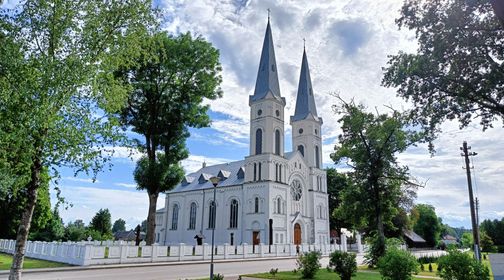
(296, 190)
(259, 112)
(277, 113)
(300, 131)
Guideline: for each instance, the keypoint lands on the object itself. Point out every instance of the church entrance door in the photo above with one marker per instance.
(255, 238)
(297, 234)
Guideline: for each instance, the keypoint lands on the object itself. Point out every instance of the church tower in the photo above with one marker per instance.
(306, 125)
(266, 113)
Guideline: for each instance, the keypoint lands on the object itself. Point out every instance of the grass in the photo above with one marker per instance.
(322, 274)
(6, 261)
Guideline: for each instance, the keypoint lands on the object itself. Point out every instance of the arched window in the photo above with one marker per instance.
(317, 157)
(256, 205)
(280, 173)
(255, 171)
(192, 216)
(276, 172)
(258, 148)
(277, 142)
(211, 215)
(233, 214)
(301, 149)
(279, 205)
(174, 222)
(260, 169)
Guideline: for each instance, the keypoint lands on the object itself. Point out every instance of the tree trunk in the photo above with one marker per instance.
(151, 219)
(24, 225)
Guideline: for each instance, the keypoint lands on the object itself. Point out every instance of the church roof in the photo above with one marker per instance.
(230, 169)
(305, 102)
(267, 75)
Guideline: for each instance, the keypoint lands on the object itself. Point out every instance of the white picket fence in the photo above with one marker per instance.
(117, 252)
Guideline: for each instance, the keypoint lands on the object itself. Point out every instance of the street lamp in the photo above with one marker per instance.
(215, 181)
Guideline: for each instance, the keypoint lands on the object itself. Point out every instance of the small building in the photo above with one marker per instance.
(128, 235)
(449, 240)
(413, 240)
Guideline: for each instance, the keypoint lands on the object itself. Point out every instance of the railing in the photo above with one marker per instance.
(109, 252)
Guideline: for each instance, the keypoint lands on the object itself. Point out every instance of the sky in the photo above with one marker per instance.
(347, 44)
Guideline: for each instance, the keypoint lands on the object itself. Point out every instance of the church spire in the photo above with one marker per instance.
(305, 102)
(267, 76)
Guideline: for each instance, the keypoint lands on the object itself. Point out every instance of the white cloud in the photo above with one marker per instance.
(195, 162)
(126, 185)
(81, 180)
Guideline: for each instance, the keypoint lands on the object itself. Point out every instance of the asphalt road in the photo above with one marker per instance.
(497, 262)
(186, 271)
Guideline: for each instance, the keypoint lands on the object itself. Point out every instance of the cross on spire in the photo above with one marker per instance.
(269, 13)
(304, 43)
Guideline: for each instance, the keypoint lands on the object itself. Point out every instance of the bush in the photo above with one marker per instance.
(376, 250)
(218, 276)
(458, 265)
(343, 263)
(397, 264)
(430, 267)
(308, 264)
(273, 271)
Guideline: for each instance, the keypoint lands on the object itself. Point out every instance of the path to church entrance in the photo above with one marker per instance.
(173, 271)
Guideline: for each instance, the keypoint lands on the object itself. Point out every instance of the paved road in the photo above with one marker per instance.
(187, 271)
(497, 262)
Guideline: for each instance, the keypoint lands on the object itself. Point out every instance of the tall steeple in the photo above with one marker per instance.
(267, 75)
(305, 102)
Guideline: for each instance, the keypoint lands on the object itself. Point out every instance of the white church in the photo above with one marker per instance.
(270, 197)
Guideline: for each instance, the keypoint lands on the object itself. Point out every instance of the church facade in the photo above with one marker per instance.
(269, 197)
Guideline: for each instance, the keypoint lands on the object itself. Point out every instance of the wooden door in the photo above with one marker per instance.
(297, 234)
(255, 238)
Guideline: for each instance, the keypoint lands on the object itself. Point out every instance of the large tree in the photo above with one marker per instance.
(102, 223)
(457, 71)
(427, 224)
(169, 84)
(57, 89)
(336, 183)
(369, 144)
(119, 225)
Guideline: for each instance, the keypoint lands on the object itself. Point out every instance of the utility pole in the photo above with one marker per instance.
(474, 221)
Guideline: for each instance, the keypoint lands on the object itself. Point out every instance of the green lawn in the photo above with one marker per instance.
(6, 261)
(322, 274)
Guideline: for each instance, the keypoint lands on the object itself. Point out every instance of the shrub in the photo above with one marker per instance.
(376, 250)
(430, 267)
(308, 264)
(273, 271)
(397, 264)
(343, 263)
(218, 276)
(422, 268)
(458, 265)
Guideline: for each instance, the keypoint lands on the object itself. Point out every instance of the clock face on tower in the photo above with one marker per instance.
(296, 190)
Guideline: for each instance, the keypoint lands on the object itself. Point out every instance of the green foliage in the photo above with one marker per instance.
(218, 276)
(336, 183)
(119, 225)
(430, 267)
(169, 84)
(273, 271)
(308, 264)
(467, 240)
(456, 72)
(458, 265)
(397, 264)
(494, 229)
(487, 244)
(427, 224)
(343, 263)
(377, 248)
(76, 231)
(54, 230)
(101, 223)
(380, 186)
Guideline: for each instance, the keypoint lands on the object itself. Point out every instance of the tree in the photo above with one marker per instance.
(495, 230)
(75, 231)
(467, 240)
(169, 83)
(54, 230)
(119, 225)
(102, 224)
(457, 72)
(56, 64)
(487, 244)
(427, 224)
(336, 183)
(369, 144)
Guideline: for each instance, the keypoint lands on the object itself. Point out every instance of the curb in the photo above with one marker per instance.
(112, 266)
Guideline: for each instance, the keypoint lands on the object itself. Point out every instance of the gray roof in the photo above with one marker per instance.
(228, 169)
(413, 236)
(305, 102)
(267, 75)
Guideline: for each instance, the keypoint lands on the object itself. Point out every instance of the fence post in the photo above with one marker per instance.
(181, 251)
(245, 245)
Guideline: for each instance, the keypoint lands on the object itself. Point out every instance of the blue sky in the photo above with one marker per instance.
(347, 44)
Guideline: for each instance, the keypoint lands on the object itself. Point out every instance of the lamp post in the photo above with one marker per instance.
(215, 181)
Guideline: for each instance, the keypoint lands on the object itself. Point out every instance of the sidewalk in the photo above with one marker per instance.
(497, 263)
